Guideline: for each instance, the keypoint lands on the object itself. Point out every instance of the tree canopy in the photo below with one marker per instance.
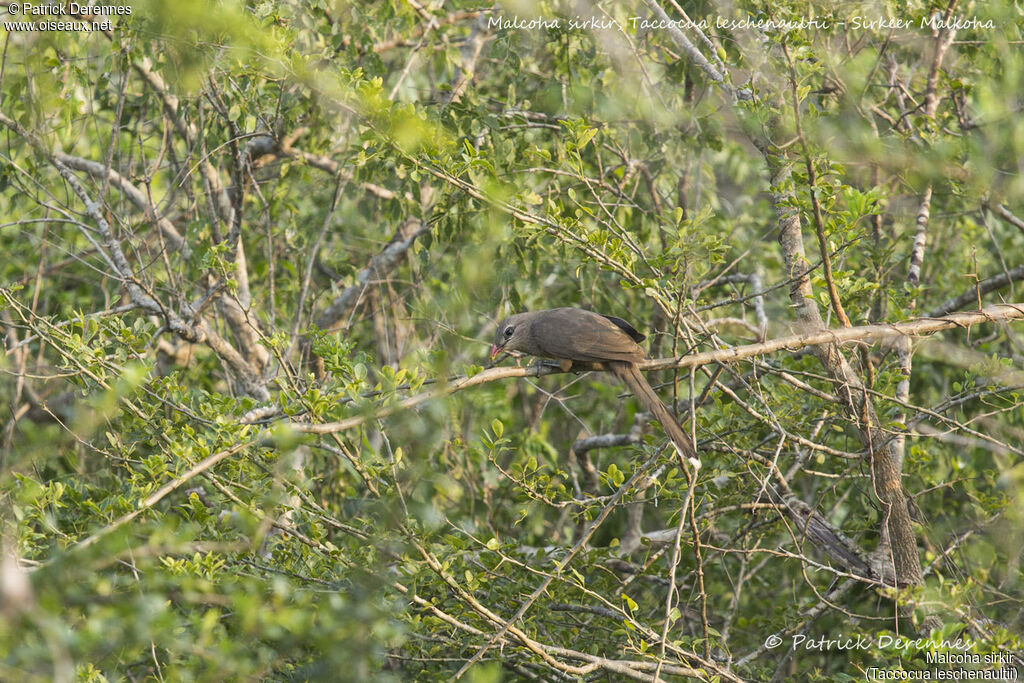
(254, 254)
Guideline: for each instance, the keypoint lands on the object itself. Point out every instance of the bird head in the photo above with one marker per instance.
(510, 335)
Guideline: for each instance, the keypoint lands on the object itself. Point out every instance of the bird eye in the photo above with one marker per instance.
(509, 330)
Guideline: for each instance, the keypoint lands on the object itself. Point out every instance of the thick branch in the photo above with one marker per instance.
(183, 325)
(684, 44)
(235, 311)
(888, 485)
(974, 293)
(1009, 217)
(378, 268)
(326, 164)
(132, 193)
(1001, 312)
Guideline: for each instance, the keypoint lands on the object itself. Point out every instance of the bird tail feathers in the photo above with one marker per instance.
(630, 374)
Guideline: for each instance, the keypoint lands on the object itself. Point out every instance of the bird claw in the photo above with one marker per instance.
(542, 363)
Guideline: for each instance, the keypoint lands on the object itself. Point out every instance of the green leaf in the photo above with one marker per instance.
(585, 136)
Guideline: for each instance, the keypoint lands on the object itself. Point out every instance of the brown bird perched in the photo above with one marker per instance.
(573, 334)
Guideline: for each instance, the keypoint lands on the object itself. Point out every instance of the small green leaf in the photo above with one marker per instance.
(586, 136)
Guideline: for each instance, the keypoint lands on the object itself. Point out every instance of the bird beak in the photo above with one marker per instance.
(495, 350)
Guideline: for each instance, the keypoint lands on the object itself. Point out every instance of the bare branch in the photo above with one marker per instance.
(866, 333)
(971, 296)
(132, 193)
(378, 268)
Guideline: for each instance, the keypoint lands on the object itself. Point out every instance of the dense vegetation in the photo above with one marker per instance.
(253, 256)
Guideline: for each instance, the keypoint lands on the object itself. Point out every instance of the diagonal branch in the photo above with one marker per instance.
(187, 326)
(234, 309)
(974, 293)
(132, 193)
(378, 268)
(866, 333)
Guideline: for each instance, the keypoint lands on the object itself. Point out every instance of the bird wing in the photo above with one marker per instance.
(627, 328)
(576, 334)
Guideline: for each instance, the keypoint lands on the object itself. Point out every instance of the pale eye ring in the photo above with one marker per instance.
(509, 330)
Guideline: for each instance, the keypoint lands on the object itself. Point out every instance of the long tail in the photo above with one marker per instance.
(630, 374)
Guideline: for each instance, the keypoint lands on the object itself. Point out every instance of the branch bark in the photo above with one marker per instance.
(136, 196)
(832, 338)
(972, 295)
(186, 324)
(379, 267)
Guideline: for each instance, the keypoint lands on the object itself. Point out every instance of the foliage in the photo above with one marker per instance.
(254, 251)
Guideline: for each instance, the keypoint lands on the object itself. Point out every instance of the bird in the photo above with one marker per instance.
(568, 335)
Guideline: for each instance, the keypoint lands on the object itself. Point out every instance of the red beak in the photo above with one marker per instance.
(495, 350)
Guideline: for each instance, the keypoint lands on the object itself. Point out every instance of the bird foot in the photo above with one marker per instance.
(552, 364)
